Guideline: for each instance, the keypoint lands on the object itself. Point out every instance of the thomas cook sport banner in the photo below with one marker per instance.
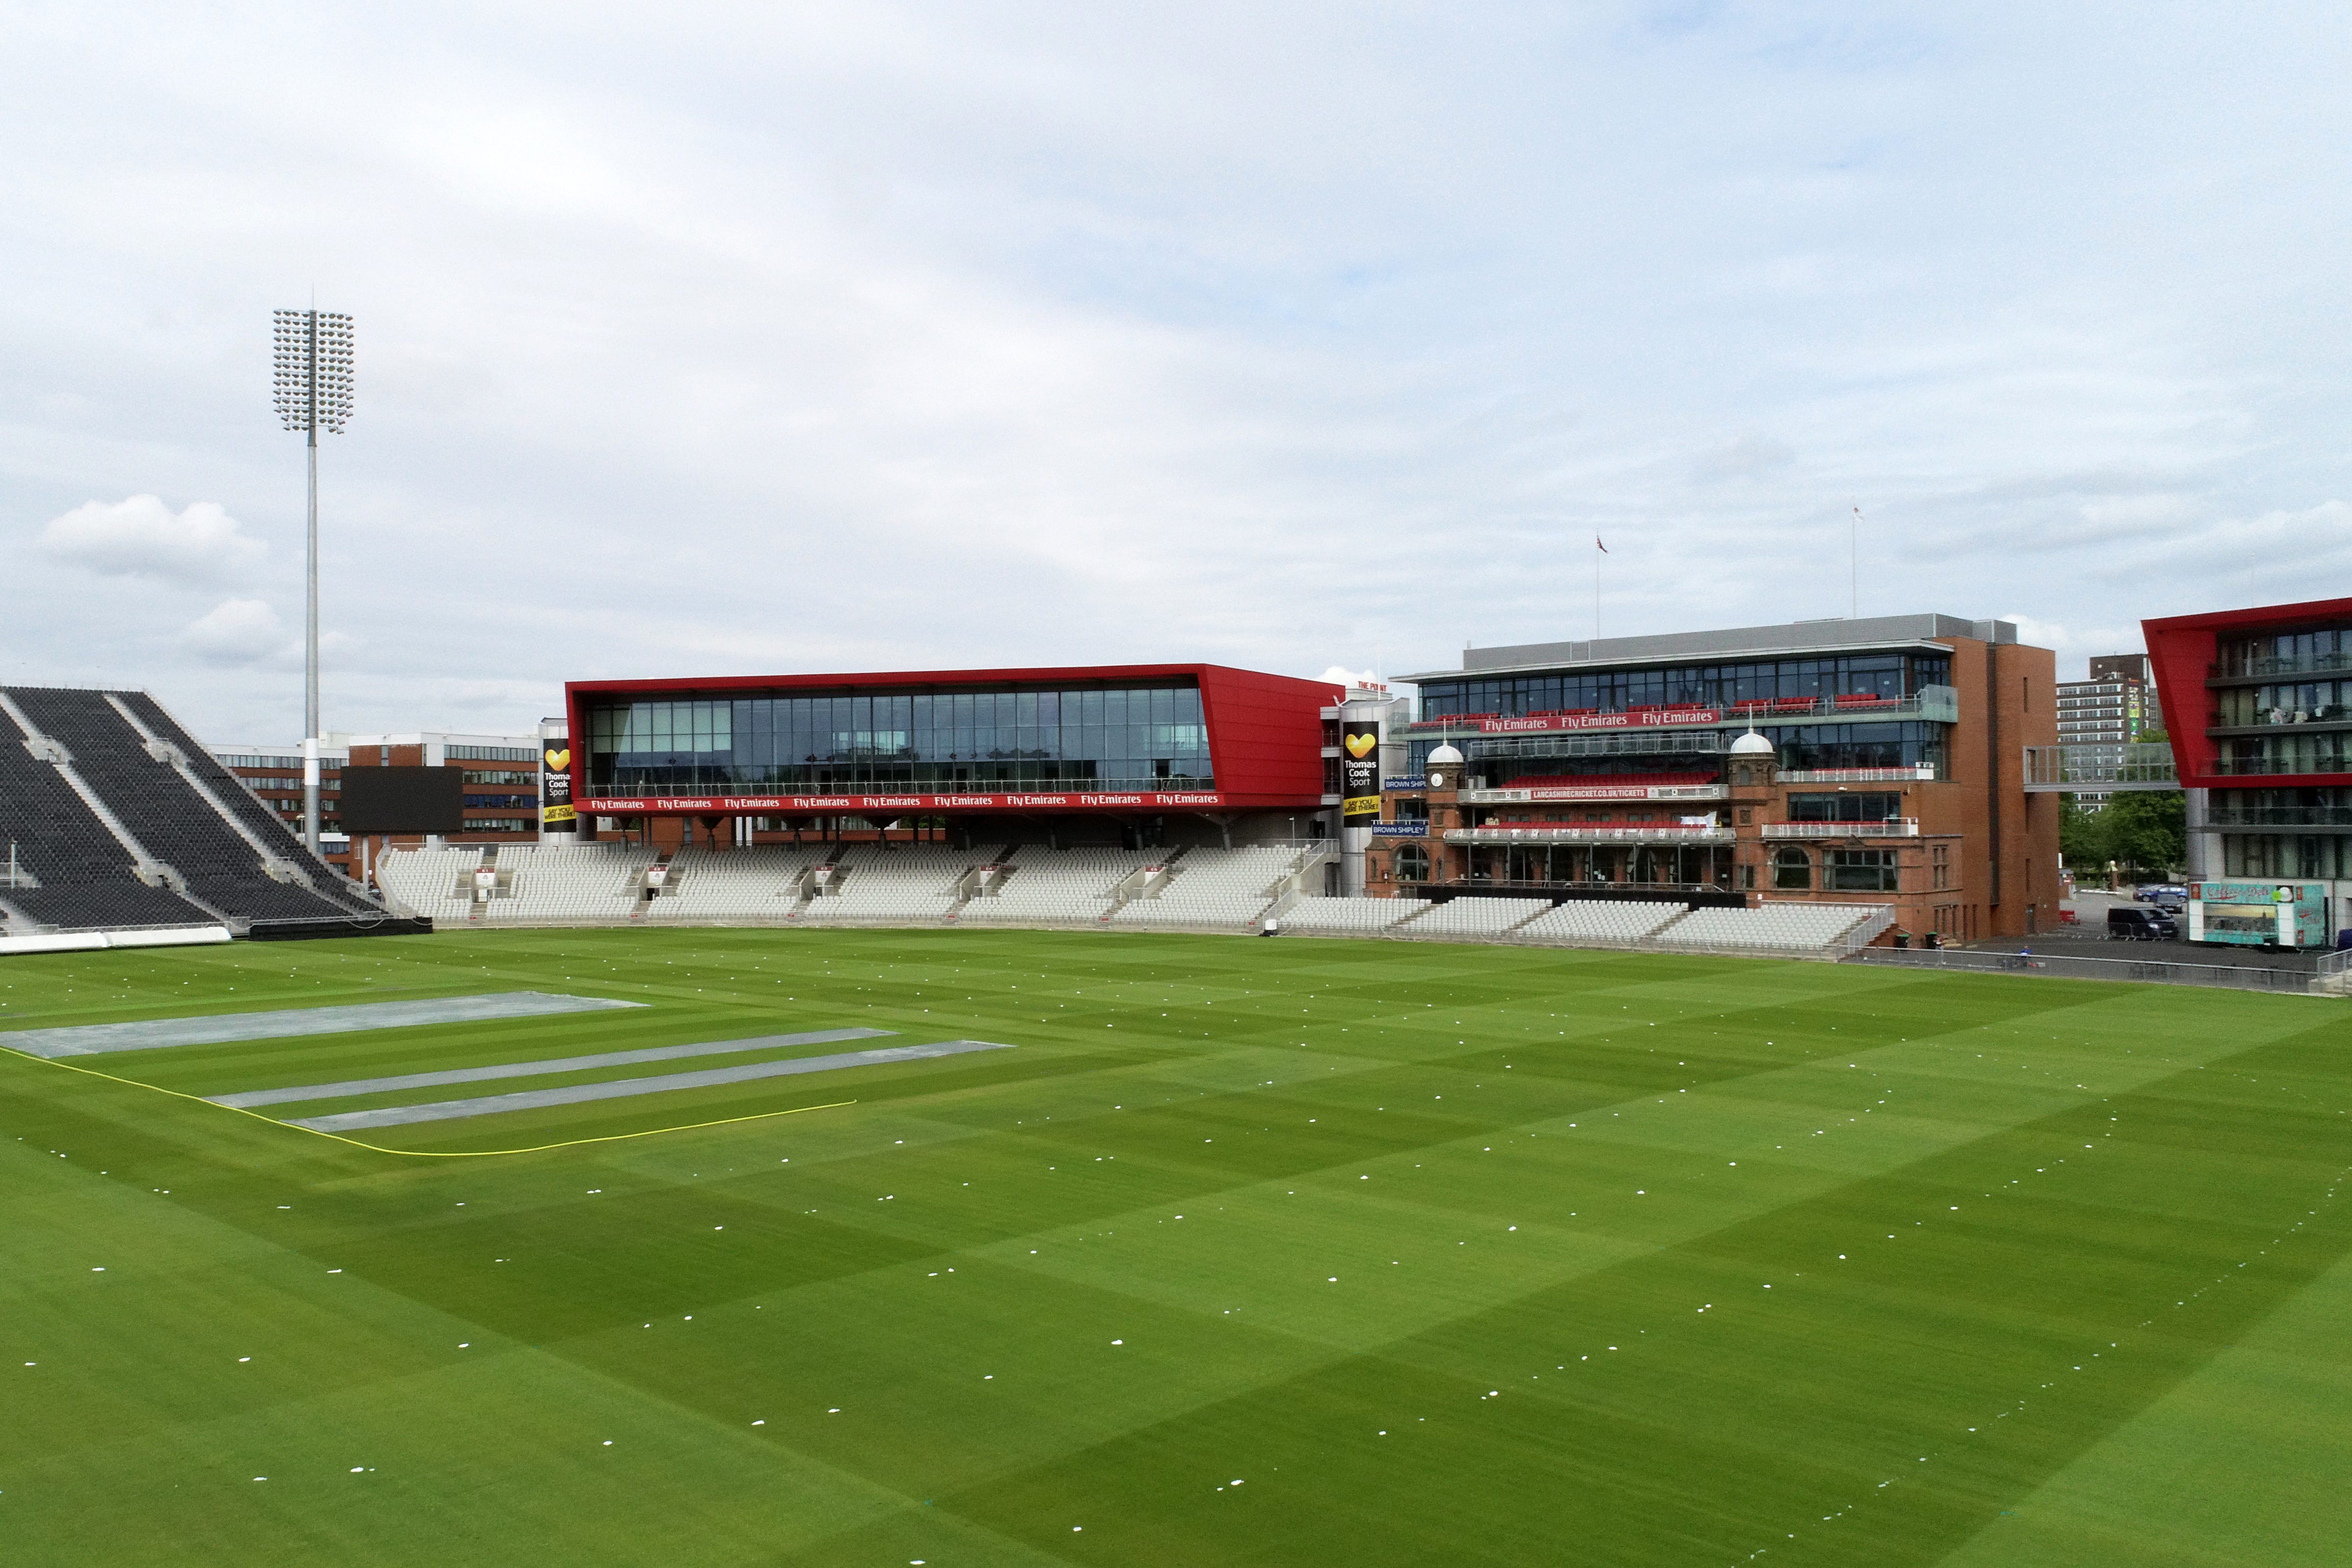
(555, 790)
(1360, 769)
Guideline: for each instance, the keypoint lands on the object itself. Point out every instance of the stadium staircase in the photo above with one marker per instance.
(119, 820)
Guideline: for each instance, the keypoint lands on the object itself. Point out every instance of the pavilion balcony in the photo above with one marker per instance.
(1892, 828)
(1590, 832)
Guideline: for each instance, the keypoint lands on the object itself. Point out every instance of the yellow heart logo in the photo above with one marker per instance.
(558, 761)
(1360, 746)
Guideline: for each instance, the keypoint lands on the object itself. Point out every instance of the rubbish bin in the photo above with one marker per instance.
(1903, 939)
(1935, 938)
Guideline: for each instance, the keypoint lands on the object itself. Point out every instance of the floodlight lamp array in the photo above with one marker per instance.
(311, 369)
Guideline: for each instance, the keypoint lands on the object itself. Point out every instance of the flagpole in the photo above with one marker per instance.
(1854, 567)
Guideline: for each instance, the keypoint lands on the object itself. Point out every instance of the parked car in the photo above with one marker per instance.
(2161, 893)
(2130, 923)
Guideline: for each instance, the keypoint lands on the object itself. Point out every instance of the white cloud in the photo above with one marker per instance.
(921, 335)
(238, 632)
(1340, 675)
(141, 537)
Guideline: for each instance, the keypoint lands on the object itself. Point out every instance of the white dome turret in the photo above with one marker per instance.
(1446, 752)
(1752, 744)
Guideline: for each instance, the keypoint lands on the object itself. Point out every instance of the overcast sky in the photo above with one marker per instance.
(700, 340)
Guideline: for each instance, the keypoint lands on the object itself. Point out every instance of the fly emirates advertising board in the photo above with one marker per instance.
(1149, 800)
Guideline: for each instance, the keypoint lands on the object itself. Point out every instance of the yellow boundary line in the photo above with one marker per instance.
(420, 1153)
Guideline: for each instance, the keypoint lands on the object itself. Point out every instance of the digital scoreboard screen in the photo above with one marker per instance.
(403, 800)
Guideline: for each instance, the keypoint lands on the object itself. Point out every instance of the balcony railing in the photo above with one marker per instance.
(1922, 774)
(1892, 828)
(1581, 833)
(2280, 817)
(2255, 767)
(1606, 743)
(2332, 716)
(2317, 664)
(1662, 793)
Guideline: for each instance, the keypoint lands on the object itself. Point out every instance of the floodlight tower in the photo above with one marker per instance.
(312, 377)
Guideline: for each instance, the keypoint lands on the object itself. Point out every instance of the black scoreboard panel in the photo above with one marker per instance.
(403, 800)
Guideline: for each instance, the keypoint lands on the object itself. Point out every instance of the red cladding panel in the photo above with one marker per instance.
(2182, 650)
(1265, 732)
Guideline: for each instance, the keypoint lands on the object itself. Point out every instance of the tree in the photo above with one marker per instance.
(2147, 830)
(2080, 840)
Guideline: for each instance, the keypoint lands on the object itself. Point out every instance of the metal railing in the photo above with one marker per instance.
(1606, 743)
(1867, 931)
(2332, 715)
(1700, 892)
(2161, 971)
(1923, 773)
(2317, 664)
(2255, 767)
(1663, 793)
(1892, 828)
(1579, 833)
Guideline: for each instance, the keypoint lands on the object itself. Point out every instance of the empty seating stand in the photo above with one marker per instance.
(1090, 889)
(1057, 888)
(1212, 890)
(216, 846)
(1594, 921)
(1474, 917)
(75, 874)
(893, 884)
(1322, 916)
(1781, 929)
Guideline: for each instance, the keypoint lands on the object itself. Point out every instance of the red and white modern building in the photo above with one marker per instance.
(1141, 754)
(2258, 703)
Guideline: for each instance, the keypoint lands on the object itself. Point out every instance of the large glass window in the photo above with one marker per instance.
(2288, 653)
(1793, 869)
(1860, 871)
(2285, 702)
(1898, 746)
(934, 741)
(1847, 805)
(1695, 686)
(1411, 863)
(2309, 752)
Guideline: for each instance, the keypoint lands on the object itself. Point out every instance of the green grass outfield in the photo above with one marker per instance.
(1445, 1254)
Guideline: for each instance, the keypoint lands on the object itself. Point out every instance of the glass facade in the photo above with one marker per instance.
(2306, 751)
(1695, 686)
(1851, 806)
(2321, 807)
(1901, 745)
(2287, 653)
(2284, 702)
(1121, 738)
(2303, 856)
